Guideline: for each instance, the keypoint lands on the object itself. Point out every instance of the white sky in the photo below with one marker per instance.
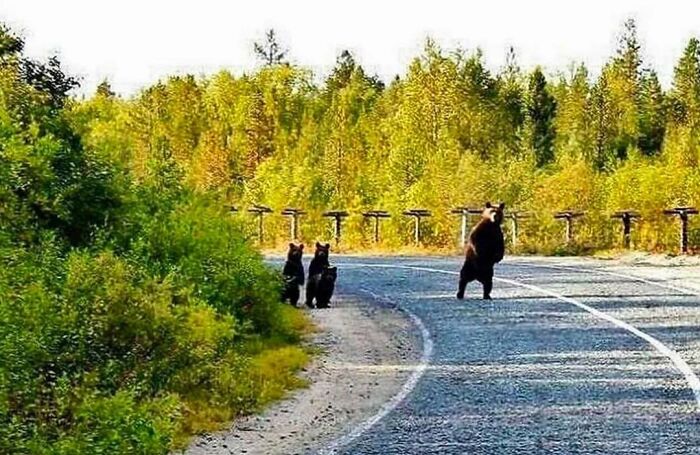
(136, 42)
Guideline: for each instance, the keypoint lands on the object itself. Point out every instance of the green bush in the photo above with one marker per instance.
(133, 312)
(137, 344)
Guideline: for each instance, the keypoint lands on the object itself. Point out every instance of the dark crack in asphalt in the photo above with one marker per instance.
(528, 373)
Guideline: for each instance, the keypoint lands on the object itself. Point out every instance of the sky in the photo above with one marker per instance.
(133, 43)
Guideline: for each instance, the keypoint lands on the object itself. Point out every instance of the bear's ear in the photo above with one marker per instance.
(328, 246)
(488, 205)
(301, 246)
(291, 246)
(318, 245)
(502, 205)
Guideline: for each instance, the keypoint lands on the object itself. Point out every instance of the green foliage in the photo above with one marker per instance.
(133, 311)
(126, 299)
(446, 133)
(541, 110)
(652, 118)
(685, 95)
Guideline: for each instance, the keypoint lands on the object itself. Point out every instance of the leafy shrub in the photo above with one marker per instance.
(124, 301)
(129, 345)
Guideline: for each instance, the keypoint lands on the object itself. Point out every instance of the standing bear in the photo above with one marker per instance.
(318, 264)
(485, 248)
(293, 274)
(324, 285)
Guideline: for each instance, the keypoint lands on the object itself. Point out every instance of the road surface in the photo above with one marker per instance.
(563, 360)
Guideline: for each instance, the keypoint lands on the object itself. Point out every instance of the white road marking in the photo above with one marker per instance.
(680, 364)
(678, 361)
(563, 366)
(660, 284)
(406, 389)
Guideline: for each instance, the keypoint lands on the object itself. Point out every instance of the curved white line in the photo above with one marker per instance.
(660, 284)
(406, 389)
(680, 364)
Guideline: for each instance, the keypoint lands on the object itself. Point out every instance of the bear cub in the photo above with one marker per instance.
(293, 274)
(317, 268)
(484, 249)
(324, 284)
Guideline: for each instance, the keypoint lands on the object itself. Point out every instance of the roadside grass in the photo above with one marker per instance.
(260, 372)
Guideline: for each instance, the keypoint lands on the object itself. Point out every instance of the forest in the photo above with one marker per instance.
(449, 132)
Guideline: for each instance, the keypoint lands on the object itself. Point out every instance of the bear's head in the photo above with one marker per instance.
(494, 213)
(295, 252)
(329, 274)
(322, 251)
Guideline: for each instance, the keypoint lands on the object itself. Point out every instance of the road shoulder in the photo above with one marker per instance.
(366, 354)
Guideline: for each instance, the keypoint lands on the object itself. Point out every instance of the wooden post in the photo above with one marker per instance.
(417, 214)
(338, 215)
(377, 215)
(568, 216)
(464, 213)
(683, 213)
(260, 211)
(626, 216)
(514, 217)
(293, 215)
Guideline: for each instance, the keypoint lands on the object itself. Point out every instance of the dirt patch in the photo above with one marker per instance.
(346, 387)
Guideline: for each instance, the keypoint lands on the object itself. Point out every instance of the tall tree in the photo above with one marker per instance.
(685, 93)
(601, 112)
(511, 93)
(49, 78)
(345, 67)
(572, 122)
(541, 109)
(652, 113)
(684, 128)
(259, 133)
(628, 57)
(479, 116)
(104, 89)
(11, 44)
(623, 79)
(270, 51)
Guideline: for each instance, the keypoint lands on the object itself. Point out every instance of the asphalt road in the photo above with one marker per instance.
(561, 361)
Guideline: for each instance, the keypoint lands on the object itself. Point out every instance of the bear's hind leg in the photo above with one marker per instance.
(487, 280)
(294, 295)
(310, 293)
(465, 276)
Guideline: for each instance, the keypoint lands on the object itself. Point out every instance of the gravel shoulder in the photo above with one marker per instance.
(365, 349)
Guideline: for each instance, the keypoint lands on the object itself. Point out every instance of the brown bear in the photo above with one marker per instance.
(316, 267)
(320, 259)
(484, 249)
(324, 285)
(293, 274)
